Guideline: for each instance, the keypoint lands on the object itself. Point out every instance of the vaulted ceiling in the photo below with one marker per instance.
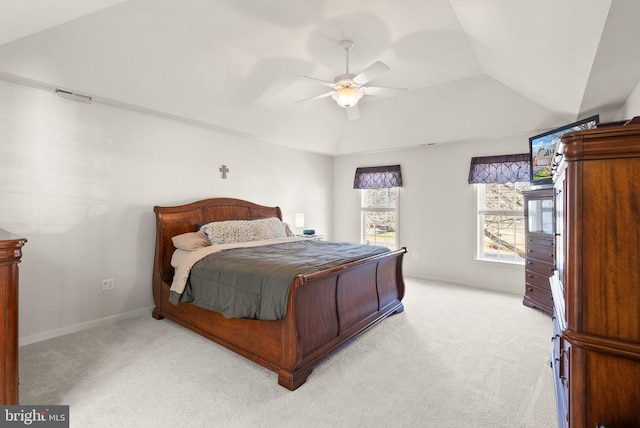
(474, 69)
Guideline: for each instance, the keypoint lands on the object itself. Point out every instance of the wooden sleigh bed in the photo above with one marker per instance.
(324, 310)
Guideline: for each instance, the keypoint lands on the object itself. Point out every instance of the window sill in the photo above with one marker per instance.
(500, 262)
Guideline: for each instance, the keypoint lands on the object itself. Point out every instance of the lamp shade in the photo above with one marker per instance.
(347, 97)
(299, 220)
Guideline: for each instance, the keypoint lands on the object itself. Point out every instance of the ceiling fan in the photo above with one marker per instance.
(348, 89)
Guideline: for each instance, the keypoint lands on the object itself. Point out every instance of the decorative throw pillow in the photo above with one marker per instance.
(226, 232)
(190, 241)
(199, 226)
(287, 229)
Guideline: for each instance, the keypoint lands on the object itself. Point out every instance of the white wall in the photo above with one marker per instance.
(631, 107)
(80, 181)
(437, 212)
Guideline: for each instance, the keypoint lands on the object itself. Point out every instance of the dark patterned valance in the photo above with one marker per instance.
(378, 177)
(500, 169)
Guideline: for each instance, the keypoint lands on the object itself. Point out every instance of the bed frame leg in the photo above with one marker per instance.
(399, 309)
(156, 314)
(293, 381)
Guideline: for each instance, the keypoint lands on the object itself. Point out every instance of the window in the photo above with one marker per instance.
(500, 181)
(379, 209)
(379, 204)
(501, 222)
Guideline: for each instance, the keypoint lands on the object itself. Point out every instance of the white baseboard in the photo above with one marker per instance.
(513, 291)
(28, 340)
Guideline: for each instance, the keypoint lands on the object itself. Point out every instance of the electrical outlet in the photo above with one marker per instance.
(108, 284)
(415, 254)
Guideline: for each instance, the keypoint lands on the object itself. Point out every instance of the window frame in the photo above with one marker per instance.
(481, 211)
(366, 209)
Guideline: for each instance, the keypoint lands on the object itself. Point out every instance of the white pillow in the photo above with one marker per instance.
(226, 232)
(190, 241)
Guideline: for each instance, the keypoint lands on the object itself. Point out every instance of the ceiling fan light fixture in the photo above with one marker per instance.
(347, 97)
(348, 88)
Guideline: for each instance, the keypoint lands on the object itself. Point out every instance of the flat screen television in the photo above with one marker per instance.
(543, 148)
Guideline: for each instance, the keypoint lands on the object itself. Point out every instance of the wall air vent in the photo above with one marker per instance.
(73, 96)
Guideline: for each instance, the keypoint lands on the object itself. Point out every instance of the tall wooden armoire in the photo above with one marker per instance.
(596, 293)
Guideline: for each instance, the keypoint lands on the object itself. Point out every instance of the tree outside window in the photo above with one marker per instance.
(501, 222)
(379, 216)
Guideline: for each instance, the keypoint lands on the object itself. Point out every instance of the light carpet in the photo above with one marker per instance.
(456, 357)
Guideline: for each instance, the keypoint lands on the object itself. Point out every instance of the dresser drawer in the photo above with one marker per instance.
(540, 281)
(538, 298)
(540, 241)
(559, 364)
(545, 253)
(540, 267)
(539, 295)
(556, 339)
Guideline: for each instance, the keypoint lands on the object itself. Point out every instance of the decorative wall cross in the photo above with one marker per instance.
(224, 170)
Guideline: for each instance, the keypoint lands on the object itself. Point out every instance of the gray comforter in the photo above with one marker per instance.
(254, 282)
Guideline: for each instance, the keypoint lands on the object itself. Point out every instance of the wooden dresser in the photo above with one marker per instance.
(540, 253)
(596, 355)
(10, 254)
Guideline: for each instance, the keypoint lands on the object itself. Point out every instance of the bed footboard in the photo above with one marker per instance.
(329, 309)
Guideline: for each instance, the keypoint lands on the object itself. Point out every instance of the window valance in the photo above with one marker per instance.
(500, 169)
(378, 177)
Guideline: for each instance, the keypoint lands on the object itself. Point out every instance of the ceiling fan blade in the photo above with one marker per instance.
(324, 82)
(316, 97)
(374, 70)
(353, 113)
(377, 90)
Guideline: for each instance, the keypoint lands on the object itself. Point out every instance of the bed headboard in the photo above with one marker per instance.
(172, 221)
